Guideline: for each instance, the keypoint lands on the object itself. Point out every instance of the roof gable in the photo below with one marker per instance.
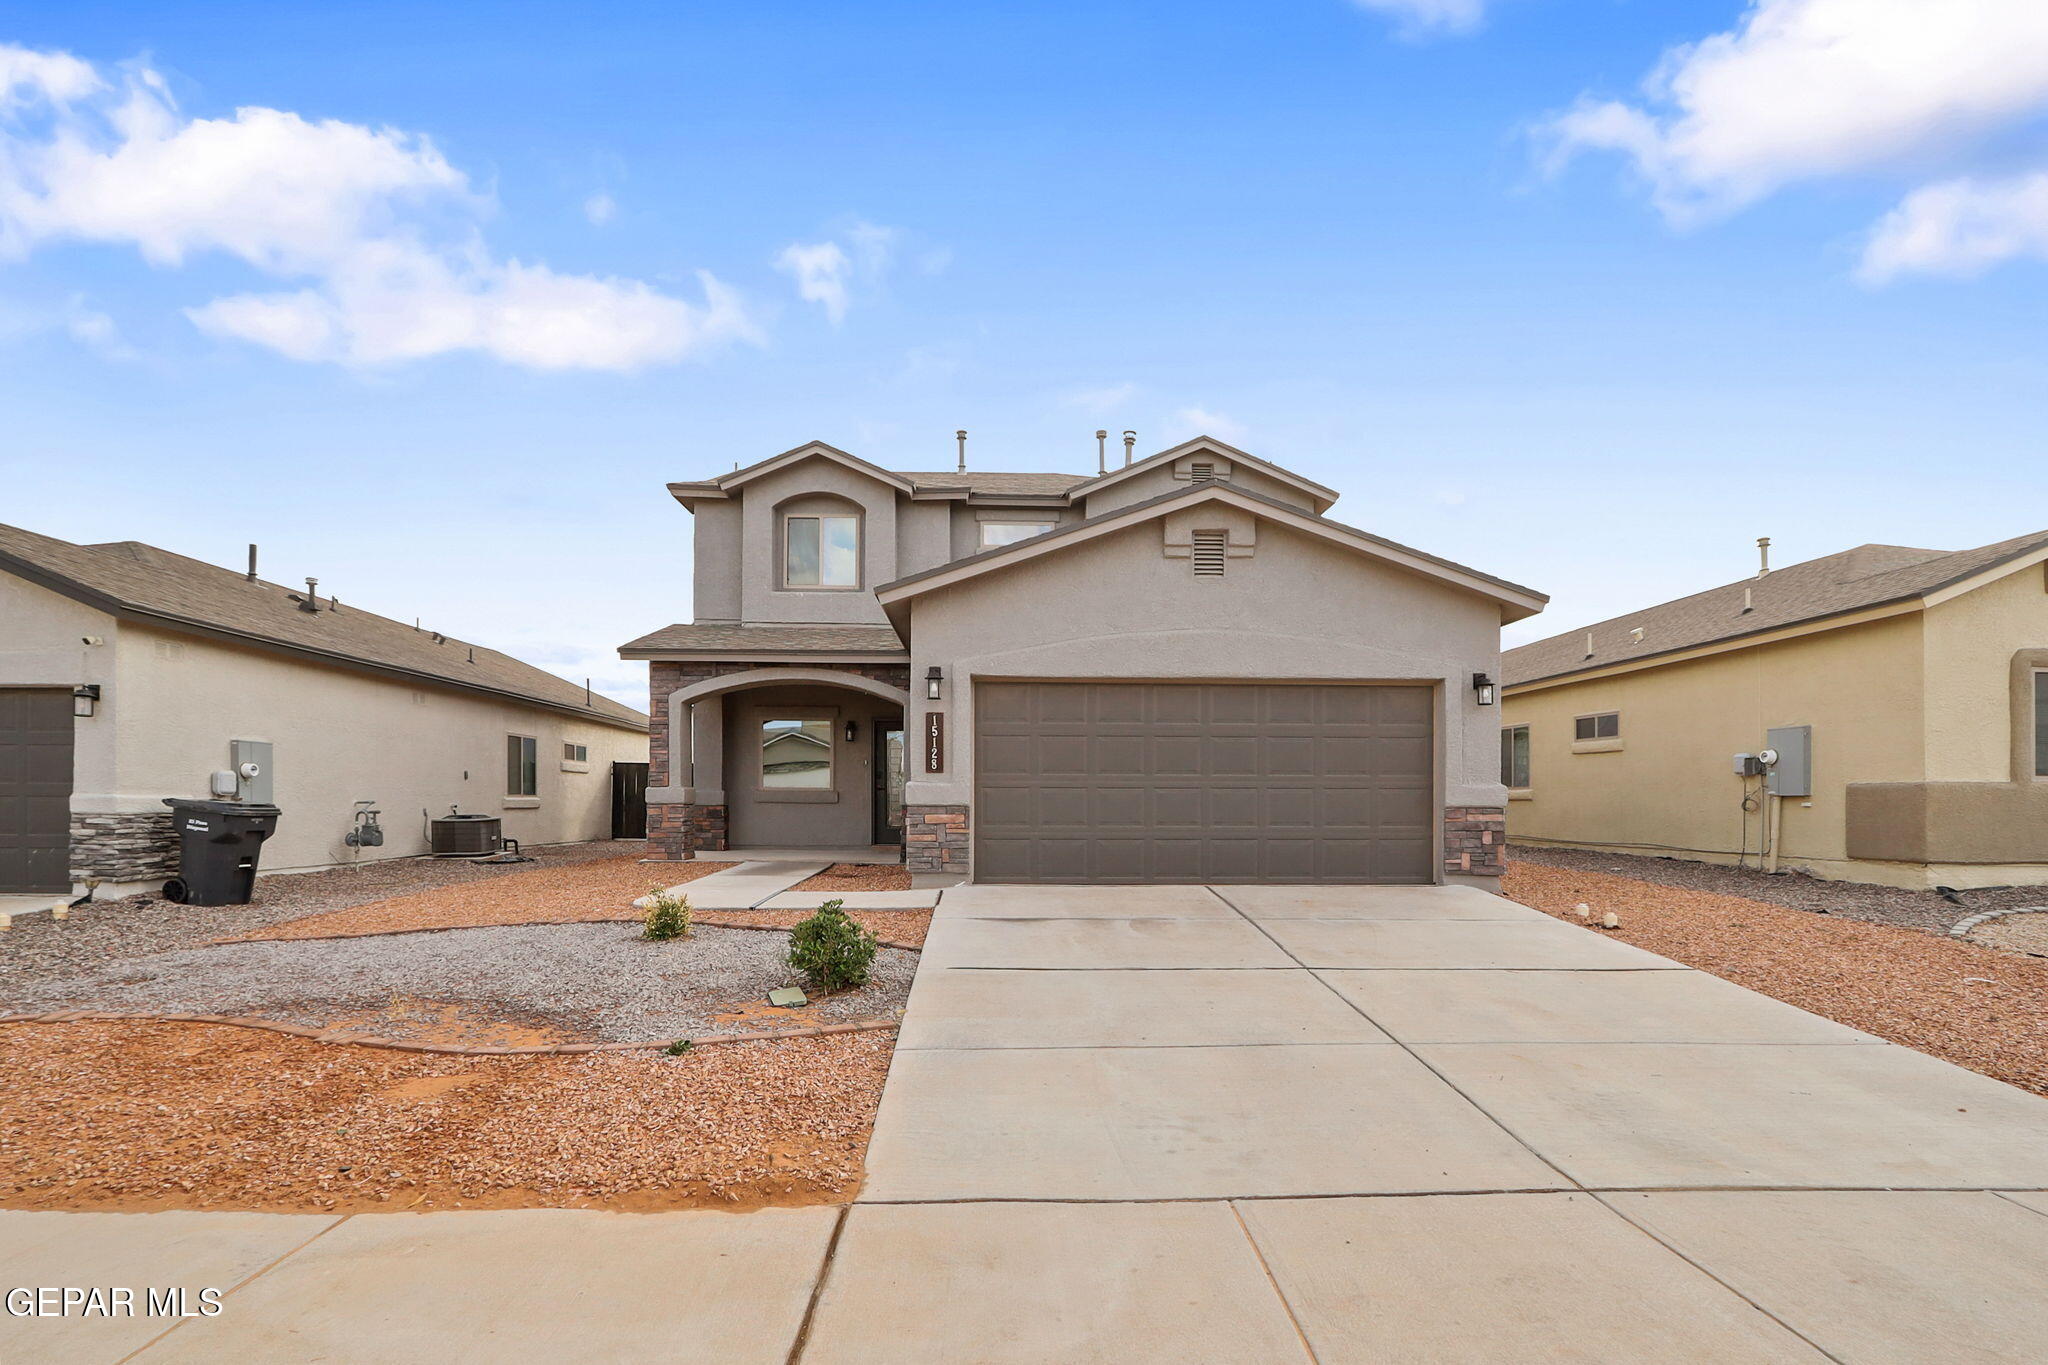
(724, 484)
(1322, 497)
(1515, 600)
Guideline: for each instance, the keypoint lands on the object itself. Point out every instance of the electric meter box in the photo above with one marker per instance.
(258, 788)
(1792, 774)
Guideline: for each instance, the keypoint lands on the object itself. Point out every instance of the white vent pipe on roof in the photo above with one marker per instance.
(1763, 555)
(961, 436)
(1101, 452)
(1130, 443)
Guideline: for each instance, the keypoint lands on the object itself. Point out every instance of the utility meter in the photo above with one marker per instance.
(250, 771)
(1767, 757)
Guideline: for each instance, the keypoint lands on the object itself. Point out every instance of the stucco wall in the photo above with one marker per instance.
(1118, 607)
(715, 582)
(340, 736)
(762, 596)
(839, 818)
(1970, 642)
(1670, 787)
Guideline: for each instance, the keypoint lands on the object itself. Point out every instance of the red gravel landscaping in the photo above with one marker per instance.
(1977, 1007)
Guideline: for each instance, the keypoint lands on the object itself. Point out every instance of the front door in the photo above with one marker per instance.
(889, 784)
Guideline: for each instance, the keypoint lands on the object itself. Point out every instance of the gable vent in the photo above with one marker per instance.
(1209, 550)
(1201, 471)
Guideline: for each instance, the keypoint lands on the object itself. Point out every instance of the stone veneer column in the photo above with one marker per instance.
(138, 846)
(1475, 841)
(936, 839)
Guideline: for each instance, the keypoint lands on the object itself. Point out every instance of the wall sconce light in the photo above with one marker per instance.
(932, 678)
(1482, 686)
(852, 732)
(84, 699)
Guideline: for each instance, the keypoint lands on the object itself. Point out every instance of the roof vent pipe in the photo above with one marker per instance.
(312, 602)
(1763, 555)
(1748, 600)
(961, 437)
(1101, 451)
(1130, 441)
(252, 563)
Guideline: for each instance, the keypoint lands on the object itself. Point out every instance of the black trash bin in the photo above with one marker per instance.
(218, 845)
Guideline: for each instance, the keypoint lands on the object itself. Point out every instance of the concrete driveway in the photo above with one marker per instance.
(1239, 1124)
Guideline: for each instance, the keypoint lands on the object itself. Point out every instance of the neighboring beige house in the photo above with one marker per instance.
(1905, 692)
(186, 668)
(1179, 670)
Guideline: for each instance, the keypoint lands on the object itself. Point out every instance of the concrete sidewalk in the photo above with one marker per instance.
(1232, 1125)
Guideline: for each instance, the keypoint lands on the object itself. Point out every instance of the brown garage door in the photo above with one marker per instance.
(1203, 782)
(35, 790)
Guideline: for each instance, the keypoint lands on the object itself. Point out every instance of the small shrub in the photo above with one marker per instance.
(831, 950)
(668, 916)
(678, 1047)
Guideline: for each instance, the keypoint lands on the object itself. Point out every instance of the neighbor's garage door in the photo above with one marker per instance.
(35, 790)
(1203, 782)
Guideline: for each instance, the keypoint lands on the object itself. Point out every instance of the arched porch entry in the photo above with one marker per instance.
(780, 758)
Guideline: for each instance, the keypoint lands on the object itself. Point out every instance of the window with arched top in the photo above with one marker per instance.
(821, 545)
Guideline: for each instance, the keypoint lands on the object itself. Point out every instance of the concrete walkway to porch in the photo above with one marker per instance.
(1235, 1125)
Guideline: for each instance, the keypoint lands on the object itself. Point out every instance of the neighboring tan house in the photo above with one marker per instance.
(1904, 691)
(1175, 671)
(129, 674)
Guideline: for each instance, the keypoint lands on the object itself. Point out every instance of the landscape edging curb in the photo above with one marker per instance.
(518, 924)
(339, 1036)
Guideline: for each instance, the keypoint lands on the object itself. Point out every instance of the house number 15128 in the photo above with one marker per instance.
(934, 741)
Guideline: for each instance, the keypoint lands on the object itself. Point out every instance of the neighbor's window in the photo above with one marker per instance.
(1514, 756)
(796, 754)
(575, 753)
(995, 534)
(522, 766)
(1606, 725)
(821, 552)
(2041, 725)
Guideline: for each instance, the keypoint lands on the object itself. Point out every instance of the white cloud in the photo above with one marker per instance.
(375, 225)
(600, 209)
(1813, 88)
(823, 274)
(1188, 423)
(55, 76)
(1418, 17)
(1960, 227)
(829, 274)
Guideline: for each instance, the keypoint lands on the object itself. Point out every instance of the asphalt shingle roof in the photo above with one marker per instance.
(991, 481)
(129, 577)
(1867, 576)
(727, 639)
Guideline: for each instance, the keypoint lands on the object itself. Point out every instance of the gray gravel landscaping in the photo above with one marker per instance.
(1928, 910)
(587, 982)
(37, 946)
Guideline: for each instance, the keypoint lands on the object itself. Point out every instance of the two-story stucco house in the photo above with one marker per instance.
(1179, 670)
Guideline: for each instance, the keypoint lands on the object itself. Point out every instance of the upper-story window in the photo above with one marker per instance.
(995, 534)
(821, 552)
(1604, 725)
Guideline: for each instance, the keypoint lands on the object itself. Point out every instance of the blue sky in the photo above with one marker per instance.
(444, 347)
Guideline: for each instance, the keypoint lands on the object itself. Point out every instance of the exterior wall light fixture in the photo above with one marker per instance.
(932, 678)
(84, 699)
(852, 731)
(1482, 687)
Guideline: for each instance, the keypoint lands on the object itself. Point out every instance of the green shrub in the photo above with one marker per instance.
(831, 950)
(678, 1047)
(668, 916)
